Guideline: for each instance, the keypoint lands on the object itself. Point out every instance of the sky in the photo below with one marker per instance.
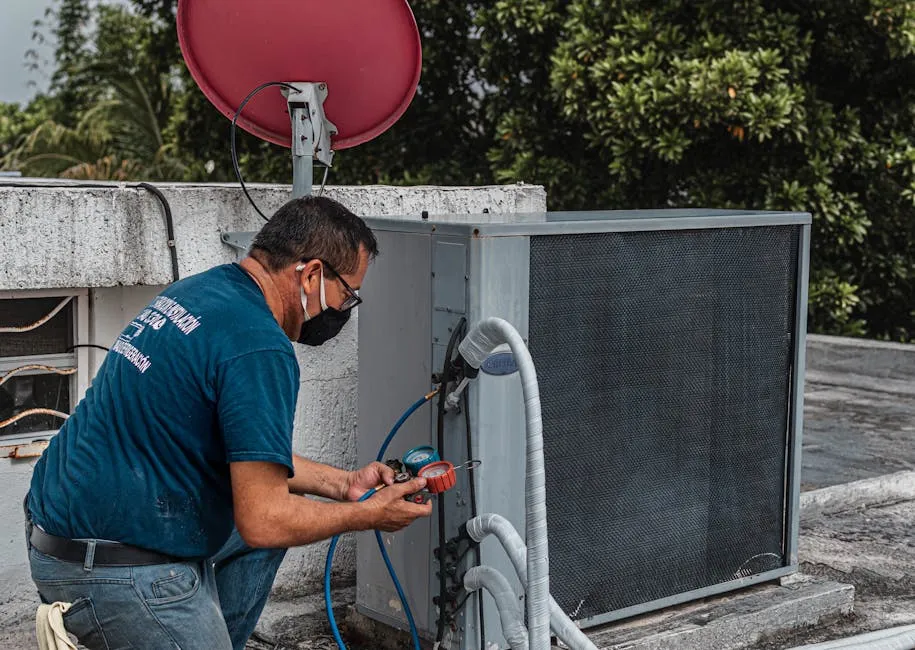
(16, 17)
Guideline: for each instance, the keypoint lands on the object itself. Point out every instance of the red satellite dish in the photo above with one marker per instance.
(368, 52)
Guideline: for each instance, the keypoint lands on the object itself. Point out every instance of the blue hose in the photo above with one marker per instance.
(384, 554)
(403, 418)
(400, 593)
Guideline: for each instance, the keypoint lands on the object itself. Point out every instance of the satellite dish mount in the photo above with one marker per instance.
(311, 132)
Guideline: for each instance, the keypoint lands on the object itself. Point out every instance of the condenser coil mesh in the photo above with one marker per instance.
(664, 363)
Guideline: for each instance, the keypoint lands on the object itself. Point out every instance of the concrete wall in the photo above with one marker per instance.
(111, 239)
(66, 234)
(110, 309)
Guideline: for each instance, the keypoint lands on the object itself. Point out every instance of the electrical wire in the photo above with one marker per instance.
(19, 416)
(169, 224)
(241, 107)
(328, 564)
(324, 181)
(36, 366)
(88, 345)
(41, 321)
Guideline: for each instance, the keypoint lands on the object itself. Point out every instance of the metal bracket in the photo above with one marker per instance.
(24, 450)
(311, 132)
(239, 240)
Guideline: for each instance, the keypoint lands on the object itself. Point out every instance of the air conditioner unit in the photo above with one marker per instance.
(669, 349)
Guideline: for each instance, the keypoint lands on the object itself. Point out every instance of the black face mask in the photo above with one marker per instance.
(323, 327)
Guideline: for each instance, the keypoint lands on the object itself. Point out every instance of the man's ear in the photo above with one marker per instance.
(311, 272)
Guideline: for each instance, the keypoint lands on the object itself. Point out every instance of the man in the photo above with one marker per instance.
(164, 506)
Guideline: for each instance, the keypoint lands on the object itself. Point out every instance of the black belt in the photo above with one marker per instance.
(106, 553)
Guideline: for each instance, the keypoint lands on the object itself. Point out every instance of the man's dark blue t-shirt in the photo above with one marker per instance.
(202, 377)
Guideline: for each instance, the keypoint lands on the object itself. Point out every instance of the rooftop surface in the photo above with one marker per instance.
(859, 463)
(853, 433)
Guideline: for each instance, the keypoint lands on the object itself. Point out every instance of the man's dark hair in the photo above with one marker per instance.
(314, 227)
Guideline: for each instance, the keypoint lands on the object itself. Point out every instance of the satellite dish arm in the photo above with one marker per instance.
(311, 132)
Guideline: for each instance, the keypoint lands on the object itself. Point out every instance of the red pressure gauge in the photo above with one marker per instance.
(439, 476)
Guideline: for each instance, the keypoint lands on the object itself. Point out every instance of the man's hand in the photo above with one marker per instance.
(391, 512)
(362, 480)
(267, 515)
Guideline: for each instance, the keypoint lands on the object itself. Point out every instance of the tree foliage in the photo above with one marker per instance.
(779, 105)
(775, 104)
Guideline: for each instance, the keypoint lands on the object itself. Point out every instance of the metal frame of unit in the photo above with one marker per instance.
(430, 274)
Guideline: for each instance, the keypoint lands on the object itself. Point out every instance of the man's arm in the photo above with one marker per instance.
(323, 480)
(268, 515)
(318, 479)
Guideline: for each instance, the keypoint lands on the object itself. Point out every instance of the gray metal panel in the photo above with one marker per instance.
(499, 286)
(394, 371)
(666, 213)
(449, 290)
(642, 225)
(449, 295)
(796, 427)
(686, 597)
(544, 223)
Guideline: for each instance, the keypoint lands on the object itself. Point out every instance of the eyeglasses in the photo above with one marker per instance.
(352, 296)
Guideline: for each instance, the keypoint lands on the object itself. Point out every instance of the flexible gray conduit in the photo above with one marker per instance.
(480, 341)
(481, 527)
(485, 577)
(895, 638)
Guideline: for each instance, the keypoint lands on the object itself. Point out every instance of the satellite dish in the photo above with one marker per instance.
(352, 65)
(368, 53)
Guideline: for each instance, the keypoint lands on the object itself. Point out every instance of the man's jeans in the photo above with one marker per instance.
(208, 605)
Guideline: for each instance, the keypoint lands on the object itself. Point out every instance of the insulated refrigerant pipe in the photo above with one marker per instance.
(485, 577)
(480, 341)
(482, 527)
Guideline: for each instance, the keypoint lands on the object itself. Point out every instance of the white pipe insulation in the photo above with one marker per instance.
(480, 341)
(481, 527)
(485, 577)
